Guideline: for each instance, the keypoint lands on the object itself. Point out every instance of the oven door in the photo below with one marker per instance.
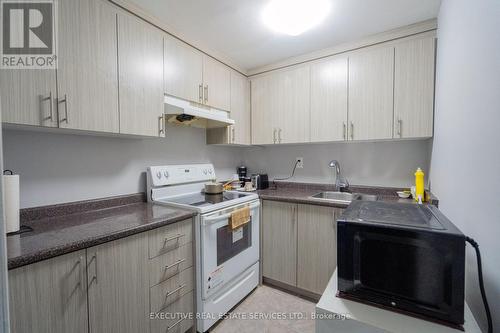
(226, 254)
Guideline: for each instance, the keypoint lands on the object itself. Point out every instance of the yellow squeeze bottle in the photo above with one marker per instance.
(419, 185)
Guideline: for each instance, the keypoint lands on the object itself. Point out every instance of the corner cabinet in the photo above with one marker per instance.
(239, 133)
(140, 68)
(299, 245)
(49, 296)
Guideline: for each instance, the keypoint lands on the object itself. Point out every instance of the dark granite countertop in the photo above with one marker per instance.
(302, 192)
(64, 228)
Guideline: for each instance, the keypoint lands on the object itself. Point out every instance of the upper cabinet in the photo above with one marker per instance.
(414, 88)
(374, 93)
(216, 84)
(280, 106)
(183, 70)
(329, 100)
(140, 63)
(239, 133)
(371, 75)
(87, 74)
(194, 76)
(240, 109)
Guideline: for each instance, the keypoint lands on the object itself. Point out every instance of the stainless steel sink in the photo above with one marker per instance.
(343, 197)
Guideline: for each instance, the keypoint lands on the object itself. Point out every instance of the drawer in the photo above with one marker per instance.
(170, 291)
(165, 266)
(179, 316)
(170, 237)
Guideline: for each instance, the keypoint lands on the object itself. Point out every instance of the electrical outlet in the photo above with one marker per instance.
(300, 162)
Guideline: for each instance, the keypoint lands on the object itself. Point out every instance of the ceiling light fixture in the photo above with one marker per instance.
(293, 17)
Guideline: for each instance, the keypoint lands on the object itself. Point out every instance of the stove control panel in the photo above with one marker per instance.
(180, 174)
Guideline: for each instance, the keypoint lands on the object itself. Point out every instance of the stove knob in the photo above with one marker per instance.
(165, 173)
(210, 171)
(158, 174)
(205, 171)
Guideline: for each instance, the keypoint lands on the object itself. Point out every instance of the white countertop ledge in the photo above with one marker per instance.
(364, 318)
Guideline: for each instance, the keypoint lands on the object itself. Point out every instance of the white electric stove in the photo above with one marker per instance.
(227, 262)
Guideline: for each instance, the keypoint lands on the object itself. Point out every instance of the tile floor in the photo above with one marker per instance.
(267, 301)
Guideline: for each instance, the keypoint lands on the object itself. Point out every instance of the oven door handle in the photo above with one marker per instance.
(210, 220)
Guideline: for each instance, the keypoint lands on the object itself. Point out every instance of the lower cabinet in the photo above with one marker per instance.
(118, 285)
(113, 287)
(279, 246)
(316, 246)
(299, 244)
(49, 296)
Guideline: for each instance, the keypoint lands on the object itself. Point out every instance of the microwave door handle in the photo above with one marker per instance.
(210, 220)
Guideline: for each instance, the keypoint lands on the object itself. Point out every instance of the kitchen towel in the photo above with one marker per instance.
(11, 202)
(239, 217)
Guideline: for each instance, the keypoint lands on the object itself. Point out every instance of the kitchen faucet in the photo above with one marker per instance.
(341, 183)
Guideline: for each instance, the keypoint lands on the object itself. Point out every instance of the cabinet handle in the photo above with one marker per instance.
(274, 135)
(200, 93)
(206, 93)
(51, 109)
(175, 324)
(352, 130)
(94, 259)
(177, 263)
(169, 239)
(170, 293)
(400, 123)
(65, 101)
(344, 131)
(161, 124)
(279, 135)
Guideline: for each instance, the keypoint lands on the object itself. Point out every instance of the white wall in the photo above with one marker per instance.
(57, 168)
(466, 153)
(362, 163)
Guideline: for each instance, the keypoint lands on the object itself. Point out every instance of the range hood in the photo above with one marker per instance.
(186, 113)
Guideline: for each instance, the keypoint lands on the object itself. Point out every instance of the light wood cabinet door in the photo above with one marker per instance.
(329, 100)
(317, 246)
(217, 84)
(294, 105)
(371, 94)
(240, 109)
(414, 88)
(118, 280)
(49, 296)
(87, 74)
(28, 97)
(264, 105)
(140, 66)
(279, 249)
(183, 70)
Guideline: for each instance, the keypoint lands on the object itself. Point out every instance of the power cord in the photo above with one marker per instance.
(475, 245)
(293, 173)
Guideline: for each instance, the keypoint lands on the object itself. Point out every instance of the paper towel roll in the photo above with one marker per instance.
(11, 202)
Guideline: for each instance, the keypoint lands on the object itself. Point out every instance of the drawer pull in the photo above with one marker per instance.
(175, 324)
(169, 239)
(177, 263)
(170, 293)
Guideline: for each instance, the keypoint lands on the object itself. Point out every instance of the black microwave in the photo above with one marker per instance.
(404, 257)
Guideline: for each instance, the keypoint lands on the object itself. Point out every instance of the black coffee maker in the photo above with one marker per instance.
(242, 174)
